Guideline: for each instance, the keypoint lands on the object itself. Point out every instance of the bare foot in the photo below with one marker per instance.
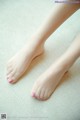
(18, 64)
(47, 82)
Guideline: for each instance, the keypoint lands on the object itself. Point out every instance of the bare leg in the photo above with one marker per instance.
(18, 64)
(47, 82)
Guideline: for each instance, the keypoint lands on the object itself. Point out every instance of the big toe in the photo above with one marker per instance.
(11, 77)
(38, 93)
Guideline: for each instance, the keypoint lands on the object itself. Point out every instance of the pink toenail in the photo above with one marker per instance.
(33, 94)
(10, 81)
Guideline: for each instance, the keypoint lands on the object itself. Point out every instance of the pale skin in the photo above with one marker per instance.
(47, 82)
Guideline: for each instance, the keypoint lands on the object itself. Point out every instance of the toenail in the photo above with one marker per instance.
(33, 94)
(36, 97)
(10, 81)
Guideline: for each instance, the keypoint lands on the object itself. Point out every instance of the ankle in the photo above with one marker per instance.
(63, 64)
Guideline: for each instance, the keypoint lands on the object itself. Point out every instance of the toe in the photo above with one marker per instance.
(33, 94)
(9, 65)
(37, 93)
(42, 94)
(46, 95)
(10, 77)
(34, 91)
(9, 71)
(10, 80)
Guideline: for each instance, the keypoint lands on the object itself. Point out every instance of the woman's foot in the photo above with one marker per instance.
(18, 64)
(47, 82)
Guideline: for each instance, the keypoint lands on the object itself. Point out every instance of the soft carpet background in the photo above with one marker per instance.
(18, 20)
